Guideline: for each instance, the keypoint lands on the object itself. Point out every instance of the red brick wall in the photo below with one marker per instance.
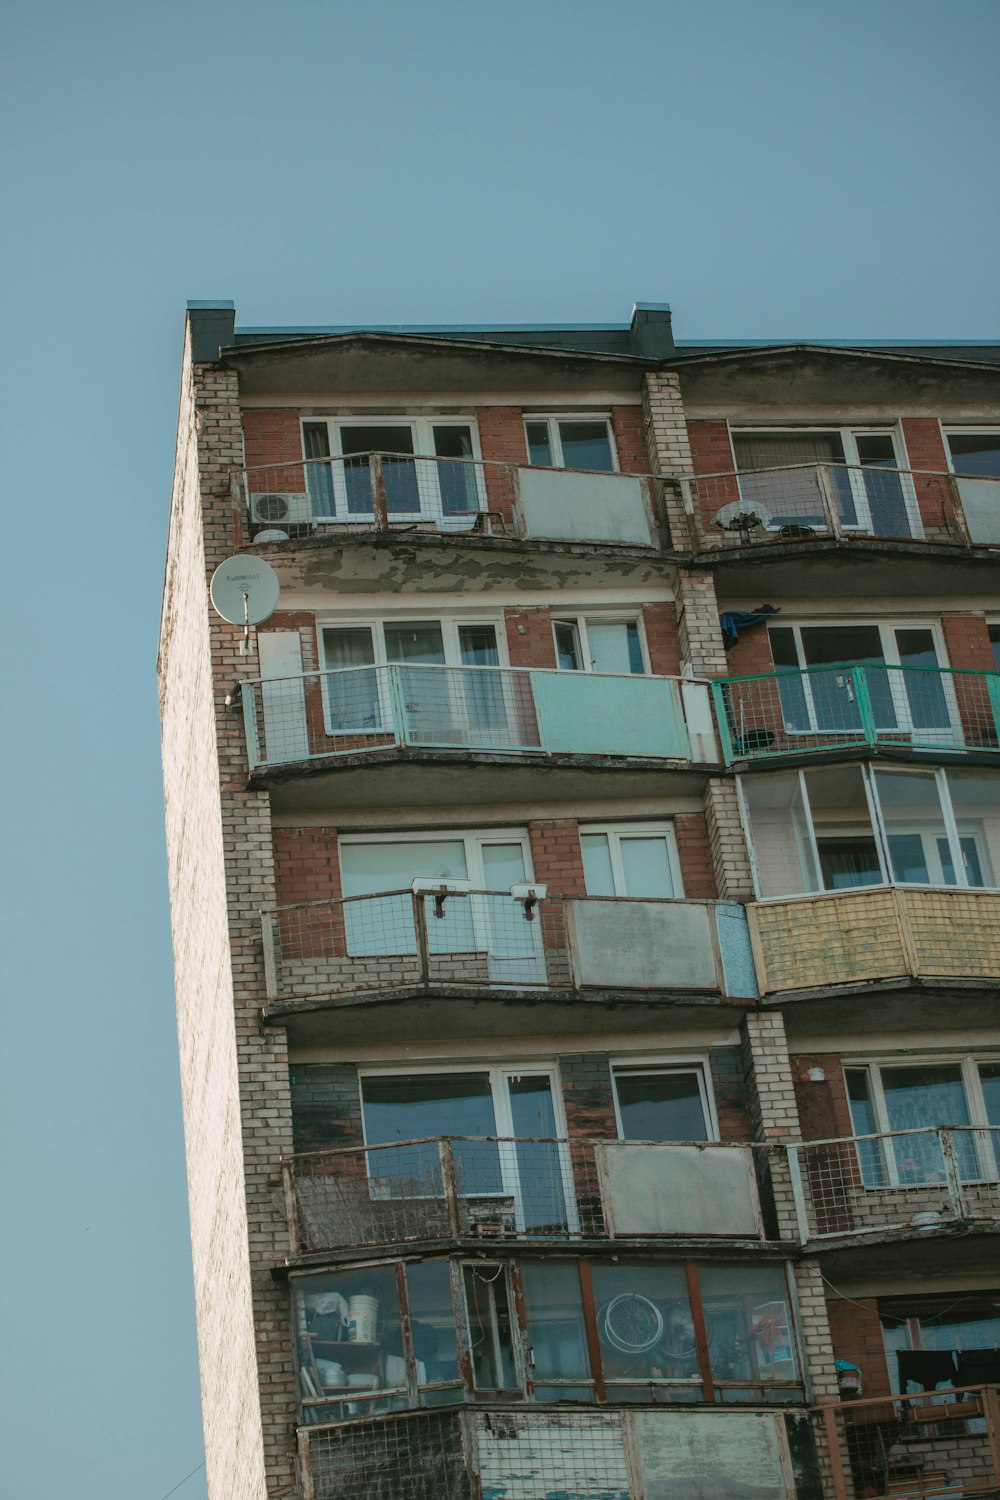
(556, 857)
(306, 865)
(925, 451)
(662, 638)
(712, 453)
(695, 853)
(272, 437)
(630, 439)
(752, 653)
(501, 440)
(531, 645)
(824, 1112)
(967, 639)
(729, 1091)
(856, 1333)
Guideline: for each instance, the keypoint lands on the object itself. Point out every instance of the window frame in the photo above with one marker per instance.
(698, 1064)
(968, 1064)
(422, 434)
(968, 429)
(614, 832)
(597, 617)
(552, 420)
(848, 436)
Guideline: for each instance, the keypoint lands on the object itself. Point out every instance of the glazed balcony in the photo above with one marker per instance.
(374, 712)
(903, 1182)
(776, 716)
(334, 498)
(808, 502)
(491, 1191)
(879, 933)
(444, 939)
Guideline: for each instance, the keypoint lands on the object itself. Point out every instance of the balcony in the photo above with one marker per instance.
(808, 502)
(779, 715)
(386, 492)
(904, 1182)
(373, 712)
(451, 941)
(491, 1191)
(878, 933)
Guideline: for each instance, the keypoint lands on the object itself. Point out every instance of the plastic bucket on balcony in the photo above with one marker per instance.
(362, 1319)
(330, 1373)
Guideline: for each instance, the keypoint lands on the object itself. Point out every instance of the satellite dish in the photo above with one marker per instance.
(245, 590)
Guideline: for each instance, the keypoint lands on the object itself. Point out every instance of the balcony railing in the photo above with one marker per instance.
(843, 707)
(940, 1444)
(495, 1189)
(388, 491)
(507, 710)
(906, 1180)
(799, 502)
(457, 940)
(879, 933)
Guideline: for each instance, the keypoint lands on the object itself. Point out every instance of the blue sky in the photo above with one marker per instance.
(773, 169)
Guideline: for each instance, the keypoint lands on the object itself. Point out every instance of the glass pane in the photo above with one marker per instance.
(477, 645)
(925, 691)
(503, 866)
(975, 800)
(353, 701)
(927, 1096)
(843, 829)
(490, 1328)
(350, 1343)
(386, 925)
(749, 1323)
(779, 831)
(644, 1323)
(863, 1122)
(457, 480)
(614, 647)
(883, 486)
(415, 641)
(538, 1158)
(585, 445)
(852, 645)
(834, 693)
(775, 450)
(568, 653)
(911, 813)
(400, 476)
(319, 476)
(432, 1321)
(367, 868)
(791, 690)
(554, 1322)
(989, 1080)
(646, 864)
(848, 862)
(972, 867)
(539, 446)
(660, 1106)
(597, 871)
(994, 631)
(975, 453)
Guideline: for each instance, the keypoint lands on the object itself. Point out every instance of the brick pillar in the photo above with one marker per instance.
(773, 1115)
(818, 1354)
(702, 651)
(667, 442)
(727, 841)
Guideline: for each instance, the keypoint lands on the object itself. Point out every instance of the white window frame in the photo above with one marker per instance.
(596, 617)
(699, 1065)
(449, 637)
(552, 419)
(615, 832)
(473, 839)
(880, 832)
(968, 1065)
(498, 1074)
(890, 658)
(967, 429)
(852, 462)
(428, 489)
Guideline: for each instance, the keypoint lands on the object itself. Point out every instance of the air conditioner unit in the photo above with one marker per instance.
(285, 509)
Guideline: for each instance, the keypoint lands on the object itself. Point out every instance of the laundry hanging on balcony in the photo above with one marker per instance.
(734, 621)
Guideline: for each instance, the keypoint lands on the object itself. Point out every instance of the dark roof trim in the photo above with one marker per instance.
(854, 351)
(294, 348)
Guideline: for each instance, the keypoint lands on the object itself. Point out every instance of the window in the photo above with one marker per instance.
(469, 708)
(594, 644)
(904, 1097)
(975, 459)
(659, 1103)
(965, 1327)
(975, 454)
(994, 630)
(441, 482)
(845, 826)
(780, 472)
(490, 929)
(505, 1124)
(632, 859)
(822, 695)
(570, 443)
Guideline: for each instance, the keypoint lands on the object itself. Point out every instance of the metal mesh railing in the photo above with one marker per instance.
(797, 502)
(392, 491)
(441, 936)
(939, 1443)
(904, 1180)
(495, 1189)
(415, 1456)
(820, 708)
(323, 715)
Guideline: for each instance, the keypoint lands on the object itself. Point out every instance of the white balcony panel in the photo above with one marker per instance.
(981, 504)
(680, 1189)
(645, 945)
(565, 505)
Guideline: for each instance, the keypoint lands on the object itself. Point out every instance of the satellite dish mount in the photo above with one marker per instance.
(245, 592)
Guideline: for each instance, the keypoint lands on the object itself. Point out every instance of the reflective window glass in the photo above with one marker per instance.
(749, 1323)
(660, 1105)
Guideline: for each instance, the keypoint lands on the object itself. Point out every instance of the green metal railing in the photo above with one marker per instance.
(775, 714)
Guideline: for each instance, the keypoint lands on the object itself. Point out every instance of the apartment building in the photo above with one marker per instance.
(585, 890)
